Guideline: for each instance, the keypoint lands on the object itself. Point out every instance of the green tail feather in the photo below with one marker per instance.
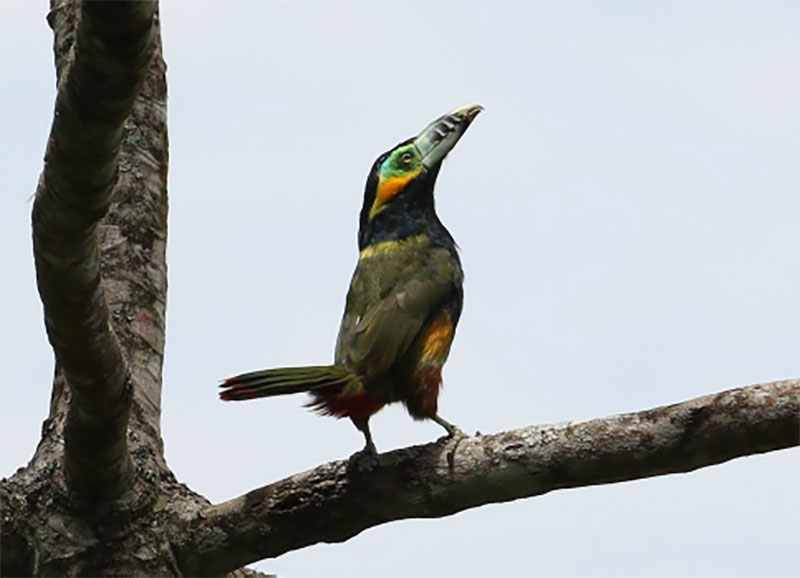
(285, 380)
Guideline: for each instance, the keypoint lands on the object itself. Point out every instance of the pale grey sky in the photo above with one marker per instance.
(627, 208)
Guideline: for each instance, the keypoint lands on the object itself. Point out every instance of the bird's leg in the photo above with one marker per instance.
(362, 423)
(453, 431)
(367, 459)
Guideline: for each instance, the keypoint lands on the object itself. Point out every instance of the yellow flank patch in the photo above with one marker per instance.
(388, 246)
(436, 341)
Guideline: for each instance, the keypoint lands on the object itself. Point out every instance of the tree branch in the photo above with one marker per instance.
(337, 501)
(97, 86)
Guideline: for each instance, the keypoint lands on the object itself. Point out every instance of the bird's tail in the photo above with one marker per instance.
(284, 380)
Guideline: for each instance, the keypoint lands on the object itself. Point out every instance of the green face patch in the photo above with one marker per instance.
(401, 166)
(401, 161)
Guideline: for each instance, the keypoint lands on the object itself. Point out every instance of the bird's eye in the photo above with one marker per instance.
(406, 158)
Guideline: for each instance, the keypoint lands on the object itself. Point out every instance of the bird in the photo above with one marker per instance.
(404, 300)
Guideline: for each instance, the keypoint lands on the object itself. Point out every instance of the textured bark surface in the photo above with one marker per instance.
(84, 503)
(338, 500)
(101, 72)
(97, 498)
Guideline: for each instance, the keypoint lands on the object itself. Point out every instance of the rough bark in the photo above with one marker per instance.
(84, 504)
(336, 501)
(99, 80)
(97, 497)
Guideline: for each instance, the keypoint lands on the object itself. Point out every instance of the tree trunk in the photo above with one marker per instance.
(97, 498)
(85, 501)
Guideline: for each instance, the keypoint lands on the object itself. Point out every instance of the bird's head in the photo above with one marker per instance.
(402, 179)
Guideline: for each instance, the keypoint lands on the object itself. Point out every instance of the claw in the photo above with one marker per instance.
(453, 431)
(363, 460)
(369, 448)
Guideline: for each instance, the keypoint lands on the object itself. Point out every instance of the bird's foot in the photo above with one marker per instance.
(364, 459)
(453, 431)
(454, 435)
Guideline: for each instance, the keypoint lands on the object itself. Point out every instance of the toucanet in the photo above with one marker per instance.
(404, 300)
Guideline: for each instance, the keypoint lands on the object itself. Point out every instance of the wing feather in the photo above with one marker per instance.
(377, 331)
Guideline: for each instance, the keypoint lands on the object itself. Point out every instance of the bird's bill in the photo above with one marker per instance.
(440, 136)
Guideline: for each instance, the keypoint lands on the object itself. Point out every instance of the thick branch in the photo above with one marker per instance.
(335, 501)
(97, 88)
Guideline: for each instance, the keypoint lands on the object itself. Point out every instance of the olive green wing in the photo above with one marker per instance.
(374, 336)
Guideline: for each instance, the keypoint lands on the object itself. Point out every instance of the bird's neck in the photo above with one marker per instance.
(400, 225)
